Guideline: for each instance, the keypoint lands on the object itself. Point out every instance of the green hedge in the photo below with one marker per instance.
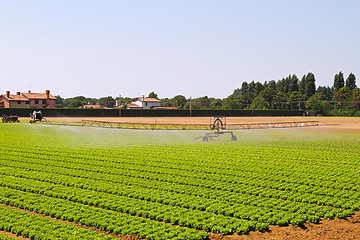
(64, 112)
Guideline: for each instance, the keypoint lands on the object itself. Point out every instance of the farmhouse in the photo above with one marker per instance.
(27, 100)
(145, 103)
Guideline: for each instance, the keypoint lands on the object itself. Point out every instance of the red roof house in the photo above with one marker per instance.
(27, 100)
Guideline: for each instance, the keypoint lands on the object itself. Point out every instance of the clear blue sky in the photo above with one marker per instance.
(189, 47)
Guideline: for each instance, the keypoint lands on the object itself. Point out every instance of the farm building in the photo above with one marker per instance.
(27, 100)
(145, 103)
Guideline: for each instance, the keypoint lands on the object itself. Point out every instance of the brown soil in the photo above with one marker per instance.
(13, 235)
(345, 229)
(343, 123)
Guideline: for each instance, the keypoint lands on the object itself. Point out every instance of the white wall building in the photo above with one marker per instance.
(147, 103)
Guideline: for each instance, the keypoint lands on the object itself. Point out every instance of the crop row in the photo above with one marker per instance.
(36, 227)
(5, 237)
(264, 212)
(142, 208)
(105, 220)
(301, 182)
(135, 152)
(328, 197)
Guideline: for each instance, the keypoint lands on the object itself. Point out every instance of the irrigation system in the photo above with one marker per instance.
(210, 126)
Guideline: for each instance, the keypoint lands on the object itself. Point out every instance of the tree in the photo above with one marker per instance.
(237, 92)
(351, 81)
(153, 95)
(356, 99)
(244, 101)
(91, 101)
(258, 88)
(326, 93)
(216, 103)
(201, 103)
(268, 94)
(244, 88)
(166, 102)
(293, 84)
(342, 96)
(230, 103)
(338, 81)
(59, 102)
(294, 100)
(302, 86)
(107, 102)
(179, 101)
(272, 84)
(251, 90)
(314, 104)
(259, 103)
(309, 85)
(74, 103)
(279, 100)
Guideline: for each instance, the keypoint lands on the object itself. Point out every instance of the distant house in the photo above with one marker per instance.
(145, 103)
(133, 106)
(93, 106)
(27, 100)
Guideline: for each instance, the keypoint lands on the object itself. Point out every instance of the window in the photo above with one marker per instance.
(18, 102)
(36, 101)
(27, 102)
(145, 104)
(43, 101)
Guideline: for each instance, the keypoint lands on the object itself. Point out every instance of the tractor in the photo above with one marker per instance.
(36, 116)
(10, 119)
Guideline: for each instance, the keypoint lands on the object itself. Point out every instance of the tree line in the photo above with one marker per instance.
(343, 98)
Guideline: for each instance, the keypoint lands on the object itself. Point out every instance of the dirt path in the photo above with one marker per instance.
(341, 123)
(344, 229)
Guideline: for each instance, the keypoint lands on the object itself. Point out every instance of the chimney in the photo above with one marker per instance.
(143, 97)
(48, 94)
(17, 93)
(8, 93)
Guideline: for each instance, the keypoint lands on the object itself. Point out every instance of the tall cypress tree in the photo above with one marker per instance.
(338, 81)
(302, 85)
(294, 83)
(351, 81)
(310, 87)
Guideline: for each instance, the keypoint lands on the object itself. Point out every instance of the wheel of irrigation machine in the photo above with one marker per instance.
(233, 138)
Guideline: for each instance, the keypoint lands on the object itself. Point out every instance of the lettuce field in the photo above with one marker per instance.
(87, 183)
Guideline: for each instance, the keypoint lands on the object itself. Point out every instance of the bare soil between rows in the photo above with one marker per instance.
(331, 123)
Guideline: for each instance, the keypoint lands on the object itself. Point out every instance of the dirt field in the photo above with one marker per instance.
(351, 123)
